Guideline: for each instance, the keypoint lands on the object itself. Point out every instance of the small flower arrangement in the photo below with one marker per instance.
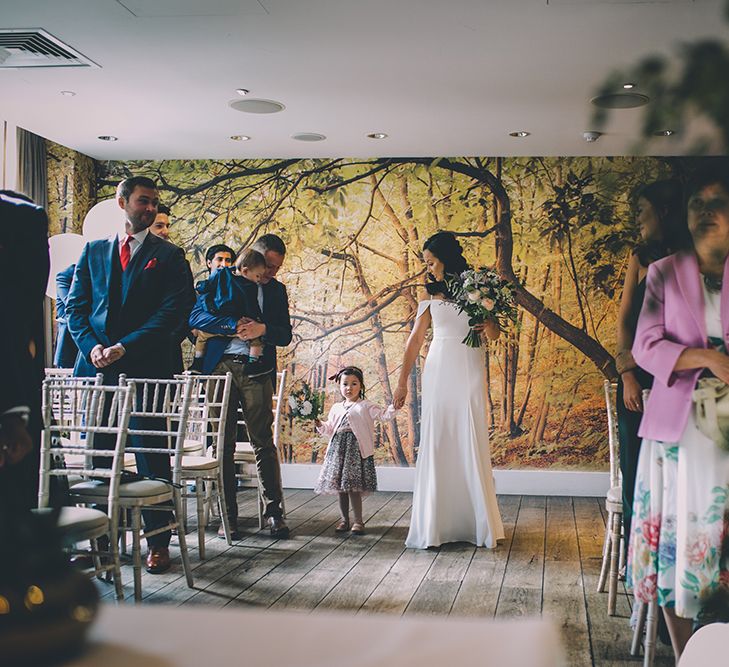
(305, 403)
(483, 295)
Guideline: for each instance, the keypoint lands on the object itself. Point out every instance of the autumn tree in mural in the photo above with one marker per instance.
(560, 229)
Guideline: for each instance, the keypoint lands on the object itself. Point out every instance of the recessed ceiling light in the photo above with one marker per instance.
(520, 134)
(620, 100)
(308, 136)
(240, 137)
(664, 133)
(629, 86)
(108, 137)
(256, 106)
(377, 135)
(242, 91)
(68, 93)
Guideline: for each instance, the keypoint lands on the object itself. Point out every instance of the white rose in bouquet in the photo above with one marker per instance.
(483, 295)
(306, 408)
(292, 402)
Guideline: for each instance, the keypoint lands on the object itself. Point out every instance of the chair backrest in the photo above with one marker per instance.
(611, 389)
(55, 373)
(278, 406)
(67, 408)
(98, 410)
(208, 411)
(160, 411)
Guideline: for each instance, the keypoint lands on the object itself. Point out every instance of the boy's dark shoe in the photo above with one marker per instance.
(278, 527)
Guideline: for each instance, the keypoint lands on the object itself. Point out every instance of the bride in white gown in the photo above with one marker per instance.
(454, 498)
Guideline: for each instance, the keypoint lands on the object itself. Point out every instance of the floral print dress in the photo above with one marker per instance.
(344, 470)
(679, 546)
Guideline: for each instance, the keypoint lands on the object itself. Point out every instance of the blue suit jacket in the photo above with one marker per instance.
(153, 300)
(66, 350)
(275, 317)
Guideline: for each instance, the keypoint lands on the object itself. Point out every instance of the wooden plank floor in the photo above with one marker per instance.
(548, 564)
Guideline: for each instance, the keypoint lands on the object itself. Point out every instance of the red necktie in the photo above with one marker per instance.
(126, 252)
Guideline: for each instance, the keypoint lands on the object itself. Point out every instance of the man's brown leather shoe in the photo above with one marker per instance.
(158, 560)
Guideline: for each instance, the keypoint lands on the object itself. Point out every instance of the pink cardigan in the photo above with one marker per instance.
(671, 320)
(362, 416)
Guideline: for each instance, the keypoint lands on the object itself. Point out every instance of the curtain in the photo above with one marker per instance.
(32, 171)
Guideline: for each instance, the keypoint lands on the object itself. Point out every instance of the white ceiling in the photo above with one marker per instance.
(440, 77)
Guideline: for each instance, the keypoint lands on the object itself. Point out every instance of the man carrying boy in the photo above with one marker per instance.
(253, 384)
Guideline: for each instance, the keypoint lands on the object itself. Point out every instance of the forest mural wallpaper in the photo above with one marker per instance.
(561, 228)
(71, 187)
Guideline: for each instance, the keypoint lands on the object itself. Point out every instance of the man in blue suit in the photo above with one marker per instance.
(252, 389)
(161, 227)
(129, 293)
(66, 350)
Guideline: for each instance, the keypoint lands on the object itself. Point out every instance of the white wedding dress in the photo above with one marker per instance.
(454, 498)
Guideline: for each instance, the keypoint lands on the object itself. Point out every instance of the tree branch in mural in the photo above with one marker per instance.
(375, 322)
(504, 240)
(504, 251)
(354, 232)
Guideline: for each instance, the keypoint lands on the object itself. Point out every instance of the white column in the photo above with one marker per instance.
(8, 155)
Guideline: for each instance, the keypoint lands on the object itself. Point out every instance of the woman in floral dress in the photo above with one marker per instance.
(679, 534)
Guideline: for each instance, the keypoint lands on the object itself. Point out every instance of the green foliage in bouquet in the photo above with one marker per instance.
(483, 295)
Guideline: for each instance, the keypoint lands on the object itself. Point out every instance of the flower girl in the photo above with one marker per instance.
(349, 465)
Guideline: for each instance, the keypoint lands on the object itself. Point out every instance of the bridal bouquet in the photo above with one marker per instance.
(483, 295)
(305, 404)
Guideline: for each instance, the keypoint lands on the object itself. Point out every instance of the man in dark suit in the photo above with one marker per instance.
(161, 227)
(24, 266)
(66, 350)
(252, 390)
(128, 294)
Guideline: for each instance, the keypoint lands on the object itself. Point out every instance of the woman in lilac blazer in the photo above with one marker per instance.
(679, 532)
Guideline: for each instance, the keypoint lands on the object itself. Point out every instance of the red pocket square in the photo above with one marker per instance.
(151, 264)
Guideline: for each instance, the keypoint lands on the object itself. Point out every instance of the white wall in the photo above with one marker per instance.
(508, 482)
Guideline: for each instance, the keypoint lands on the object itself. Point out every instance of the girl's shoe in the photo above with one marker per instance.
(342, 526)
(358, 529)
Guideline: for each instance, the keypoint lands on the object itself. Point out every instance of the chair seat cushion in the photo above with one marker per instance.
(614, 499)
(615, 494)
(81, 520)
(141, 489)
(244, 452)
(199, 463)
(75, 479)
(192, 446)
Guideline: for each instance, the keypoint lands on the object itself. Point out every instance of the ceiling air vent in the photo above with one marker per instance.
(33, 47)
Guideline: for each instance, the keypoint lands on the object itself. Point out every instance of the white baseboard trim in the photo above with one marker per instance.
(508, 482)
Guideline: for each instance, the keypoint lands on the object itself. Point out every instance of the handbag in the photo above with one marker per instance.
(711, 409)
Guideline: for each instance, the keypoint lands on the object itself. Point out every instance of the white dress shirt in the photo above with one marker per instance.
(135, 244)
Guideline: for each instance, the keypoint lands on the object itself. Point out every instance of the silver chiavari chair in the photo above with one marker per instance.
(206, 423)
(88, 410)
(163, 405)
